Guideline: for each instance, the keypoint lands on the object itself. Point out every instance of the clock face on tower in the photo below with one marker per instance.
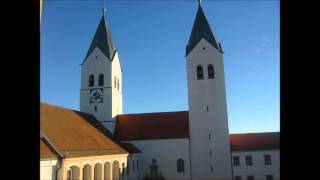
(96, 95)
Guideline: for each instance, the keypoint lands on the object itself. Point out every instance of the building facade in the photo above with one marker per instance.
(100, 142)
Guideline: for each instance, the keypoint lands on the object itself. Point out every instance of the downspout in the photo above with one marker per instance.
(59, 166)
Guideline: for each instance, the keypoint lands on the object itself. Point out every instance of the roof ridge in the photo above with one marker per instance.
(61, 107)
(152, 113)
(271, 132)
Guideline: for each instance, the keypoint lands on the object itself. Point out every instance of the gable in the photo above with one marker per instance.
(201, 30)
(103, 40)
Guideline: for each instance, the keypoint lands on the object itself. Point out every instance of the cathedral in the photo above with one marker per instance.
(100, 142)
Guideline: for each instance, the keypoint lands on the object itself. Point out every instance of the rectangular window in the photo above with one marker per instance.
(236, 160)
(237, 177)
(250, 177)
(269, 177)
(249, 160)
(267, 159)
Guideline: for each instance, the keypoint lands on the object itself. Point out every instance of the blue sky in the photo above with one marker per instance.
(150, 37)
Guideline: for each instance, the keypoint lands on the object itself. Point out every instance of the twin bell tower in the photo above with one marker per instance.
(101, 95)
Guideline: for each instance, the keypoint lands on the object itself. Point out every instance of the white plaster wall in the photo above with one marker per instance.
(134, 174)
(258, 169)
(116, 94)
(48, 169)
(211, 93)
(166, 152)
(112, 98)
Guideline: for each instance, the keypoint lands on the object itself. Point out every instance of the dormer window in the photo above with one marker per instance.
(199, 72)
(91, 80)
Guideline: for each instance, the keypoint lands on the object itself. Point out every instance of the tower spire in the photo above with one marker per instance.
(104, 10)
(102, 39)
(201, 29)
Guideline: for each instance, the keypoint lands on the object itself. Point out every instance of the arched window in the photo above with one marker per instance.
(101, 80)
(210, 71)
(123, 171)
(180, 165)
(199, 72)
(91, 80)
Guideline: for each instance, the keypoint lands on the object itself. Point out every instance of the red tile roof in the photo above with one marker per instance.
(173, 125)
(46, 151)
(77, 134)
(162, 125)
(255, 141)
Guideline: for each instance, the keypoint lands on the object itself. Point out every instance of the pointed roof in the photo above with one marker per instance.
(102, 39)
(201, 29)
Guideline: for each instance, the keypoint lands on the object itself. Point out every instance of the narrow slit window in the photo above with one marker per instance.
(118, 84)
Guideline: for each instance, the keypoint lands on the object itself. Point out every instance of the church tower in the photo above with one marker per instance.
(101, 78)
(208, 122)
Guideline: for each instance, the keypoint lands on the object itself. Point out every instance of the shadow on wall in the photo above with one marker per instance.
(153, 174)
